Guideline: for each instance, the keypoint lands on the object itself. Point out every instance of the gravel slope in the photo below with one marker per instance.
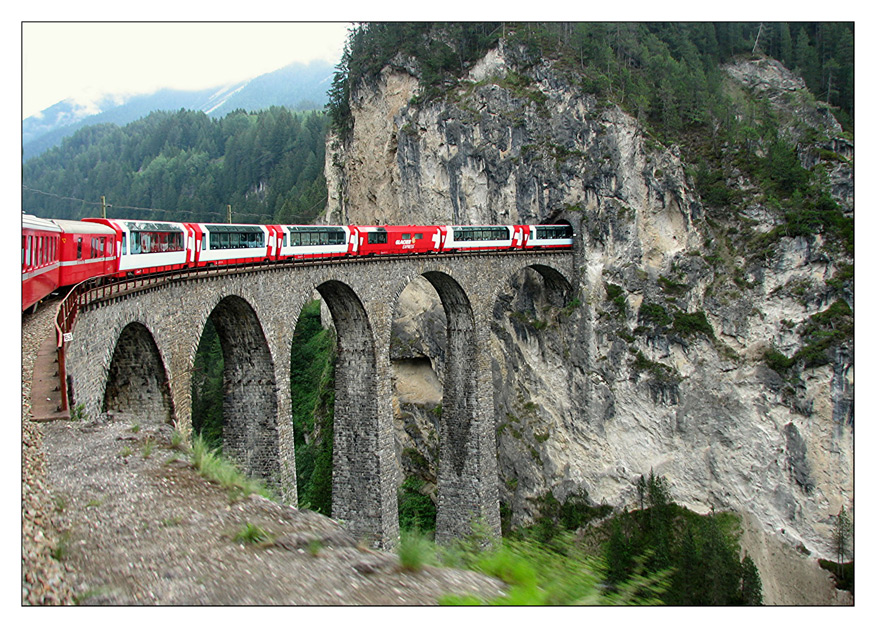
(43, 579)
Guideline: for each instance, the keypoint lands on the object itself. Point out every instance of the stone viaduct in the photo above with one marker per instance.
(133, 355)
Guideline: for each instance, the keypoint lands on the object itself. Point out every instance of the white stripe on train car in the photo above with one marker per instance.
(38, 272)
(90, 260)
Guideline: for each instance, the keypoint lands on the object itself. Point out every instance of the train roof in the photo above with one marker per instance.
(33, 222)
(74, 226)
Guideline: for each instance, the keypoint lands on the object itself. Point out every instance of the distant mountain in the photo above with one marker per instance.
(297, 86)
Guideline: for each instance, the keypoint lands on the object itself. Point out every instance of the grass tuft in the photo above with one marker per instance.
(252, 534)
(214, 467)
(415, 550)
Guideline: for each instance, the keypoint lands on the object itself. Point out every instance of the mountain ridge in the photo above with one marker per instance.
(298, 86)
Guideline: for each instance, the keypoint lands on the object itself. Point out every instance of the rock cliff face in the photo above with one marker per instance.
(658, 364)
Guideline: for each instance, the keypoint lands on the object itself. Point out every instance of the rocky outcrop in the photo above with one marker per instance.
(658, 364)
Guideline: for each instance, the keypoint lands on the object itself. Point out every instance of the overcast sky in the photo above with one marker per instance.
(84, 60)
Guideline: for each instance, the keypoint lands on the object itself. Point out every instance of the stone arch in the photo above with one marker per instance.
(363, 491)
(137, 386)
(458, 385)
(558, 289)
(465, 472)
(531, 313)
(249, 405)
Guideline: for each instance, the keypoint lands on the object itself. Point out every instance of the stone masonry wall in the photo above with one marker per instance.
(255, 315)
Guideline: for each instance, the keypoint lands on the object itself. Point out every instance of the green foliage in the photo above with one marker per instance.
(691, 324)
(777, 360)
(556, 518)
(750, 586)
(841, 539)
(211, 465)
(843, 573)
(60, 550)
(666, 72)
(416, 511)
(313, 389)
(415, 550)
(672, 287)
(207, 388)
(443, 52)
(822, 334)
(616, 296)
(700, 552)
(252, 534)
(186, 166)
(78, 412)
(659, 371)
(561, 574)
(654, 314)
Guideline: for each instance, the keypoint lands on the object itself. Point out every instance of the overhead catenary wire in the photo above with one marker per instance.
(176, 212)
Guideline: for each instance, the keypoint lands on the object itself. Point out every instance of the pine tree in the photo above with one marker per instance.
(750, 585)
(842, 535)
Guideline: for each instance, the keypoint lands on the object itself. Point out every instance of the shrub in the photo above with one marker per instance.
(415, 550)
(616, 295)
(777, 360)
(690, 324)
(652, 313)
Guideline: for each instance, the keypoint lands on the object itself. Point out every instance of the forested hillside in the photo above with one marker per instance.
(186, 166)
(664, 73)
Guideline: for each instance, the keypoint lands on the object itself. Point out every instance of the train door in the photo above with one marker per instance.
(517, 238)
(195, 243)
(353, 239)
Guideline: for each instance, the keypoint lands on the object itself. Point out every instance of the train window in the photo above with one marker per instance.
(237, 240)
(377, 237)
(406, 236)
(468, 234)
(554, 232)
(418, 236)
(78, 248)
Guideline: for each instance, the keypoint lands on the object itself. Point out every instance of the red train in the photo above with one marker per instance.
(59, 253)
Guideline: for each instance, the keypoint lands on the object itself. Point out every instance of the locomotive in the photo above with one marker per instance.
(61, 253)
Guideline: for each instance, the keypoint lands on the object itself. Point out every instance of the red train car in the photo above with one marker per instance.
(87, 250)
(395, 240)
(40, 263)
